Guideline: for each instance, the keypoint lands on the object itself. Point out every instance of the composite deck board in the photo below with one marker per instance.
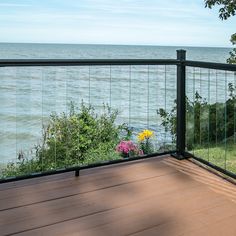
(84, 204)
(32, 194)
(46, 182)
(159, 196)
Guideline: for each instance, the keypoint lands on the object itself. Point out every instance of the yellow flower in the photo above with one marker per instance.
(141, 137)
(145, 135)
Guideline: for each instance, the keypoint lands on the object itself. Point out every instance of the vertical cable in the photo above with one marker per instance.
(188, 118)
(129, 95)
(42, 120)
(186, 110)
(67, 116)
(216, 108)
(200, 112)
(194, 107)
(209, 110)
(79, 106)
(148, 94)
(30, 151)
(110, 85)
(234, 99)
(89, 84)
(16, 115)
(19, 120)
(165, 101)
(225, 166)
(157, 102)
(55, 129)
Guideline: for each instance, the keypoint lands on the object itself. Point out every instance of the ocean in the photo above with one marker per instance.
(29, 95)
(77, 51)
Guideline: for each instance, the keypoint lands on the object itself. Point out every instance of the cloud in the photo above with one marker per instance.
(105, 21)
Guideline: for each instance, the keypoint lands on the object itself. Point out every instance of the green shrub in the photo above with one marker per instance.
(206, 123)
(80, 137)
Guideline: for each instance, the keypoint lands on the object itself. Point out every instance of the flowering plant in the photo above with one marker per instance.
(145, 134)
(128, 148)
(144, 139)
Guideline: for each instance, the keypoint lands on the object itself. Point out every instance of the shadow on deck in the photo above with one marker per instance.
(158, 196)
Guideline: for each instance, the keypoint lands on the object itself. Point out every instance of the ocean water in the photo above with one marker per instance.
(29, 95)
(66, 51)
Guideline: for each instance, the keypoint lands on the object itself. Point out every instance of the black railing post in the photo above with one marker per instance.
(181, 105)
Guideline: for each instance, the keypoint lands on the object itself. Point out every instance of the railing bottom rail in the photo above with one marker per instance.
(209, 164)
(78, 168)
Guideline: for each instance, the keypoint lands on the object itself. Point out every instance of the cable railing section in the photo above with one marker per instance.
(210, 102)
(64, 115)
(67, 115)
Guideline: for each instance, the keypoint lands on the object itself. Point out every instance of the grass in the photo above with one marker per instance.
(222, 155)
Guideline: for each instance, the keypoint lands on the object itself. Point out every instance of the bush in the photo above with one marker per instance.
(206, 123)
(80, 137)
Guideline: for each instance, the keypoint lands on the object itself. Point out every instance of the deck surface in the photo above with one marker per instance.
(158, 196)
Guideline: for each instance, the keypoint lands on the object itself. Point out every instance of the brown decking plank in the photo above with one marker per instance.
(29, 195)
(215, 182)
(138, 216)
(72, 190)
(34, 181)
(171, 204)
(191, 168)
(59, 178)
(160, 217)
(191, 227)
(224, 227)
(90, 173)
(61, 209)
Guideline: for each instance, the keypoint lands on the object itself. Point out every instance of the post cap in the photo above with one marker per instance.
(181, 54)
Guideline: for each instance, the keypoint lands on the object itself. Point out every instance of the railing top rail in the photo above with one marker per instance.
(210, 65)
(112, 62)
(84, 62)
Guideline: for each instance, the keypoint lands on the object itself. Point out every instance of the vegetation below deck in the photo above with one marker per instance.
(222, 155)
(80, 137)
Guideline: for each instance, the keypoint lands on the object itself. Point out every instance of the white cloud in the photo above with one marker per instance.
(181, 22)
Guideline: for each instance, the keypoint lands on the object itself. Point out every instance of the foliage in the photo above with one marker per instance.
(77, 138)
(145, 142)
(206, 123)
(232, 58)
(227, 9)
(222, 155)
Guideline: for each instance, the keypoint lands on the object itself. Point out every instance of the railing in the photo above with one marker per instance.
(42, 133)
(211, 114)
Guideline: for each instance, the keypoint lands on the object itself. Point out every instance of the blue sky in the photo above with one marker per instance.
(145, 22)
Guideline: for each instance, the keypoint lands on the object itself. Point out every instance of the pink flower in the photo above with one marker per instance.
(127, 147)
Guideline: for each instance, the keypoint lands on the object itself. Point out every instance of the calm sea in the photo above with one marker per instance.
(29, 95)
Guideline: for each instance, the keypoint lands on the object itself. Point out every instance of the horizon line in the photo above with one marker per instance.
(110, 44)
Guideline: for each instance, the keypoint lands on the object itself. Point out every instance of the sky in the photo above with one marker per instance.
(125, 22)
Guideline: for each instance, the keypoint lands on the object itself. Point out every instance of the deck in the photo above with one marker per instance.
(158, 196)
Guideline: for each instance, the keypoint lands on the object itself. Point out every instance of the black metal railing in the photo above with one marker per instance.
(172, 98)
(211, 113)
(38, 131)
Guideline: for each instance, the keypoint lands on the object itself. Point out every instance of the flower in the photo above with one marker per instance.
(145, 134)
(128, 147)
(145, 143)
